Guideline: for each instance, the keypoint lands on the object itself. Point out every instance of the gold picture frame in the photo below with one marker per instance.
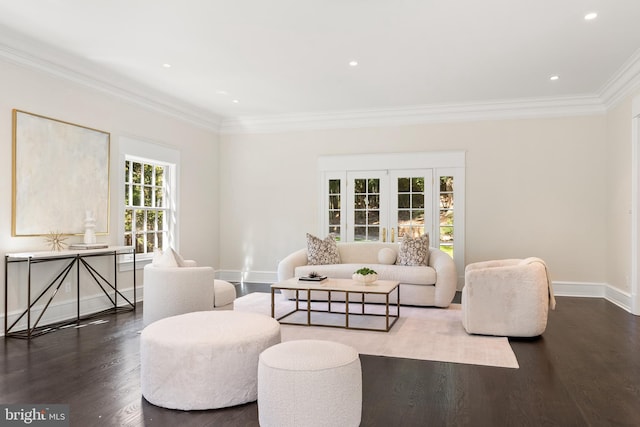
(60, 175)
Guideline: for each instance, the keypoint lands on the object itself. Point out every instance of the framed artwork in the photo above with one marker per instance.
(60, 176)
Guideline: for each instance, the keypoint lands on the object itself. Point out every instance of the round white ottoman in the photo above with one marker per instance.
(205, 359)
(309, 383)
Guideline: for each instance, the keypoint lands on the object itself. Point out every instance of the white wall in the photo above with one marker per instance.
(618, 164)
(32, 91)
(534, 188)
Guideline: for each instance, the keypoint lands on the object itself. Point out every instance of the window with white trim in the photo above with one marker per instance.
(148, 199)
(147, 205)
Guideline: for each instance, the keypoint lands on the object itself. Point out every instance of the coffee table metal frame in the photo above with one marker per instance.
(346, 286)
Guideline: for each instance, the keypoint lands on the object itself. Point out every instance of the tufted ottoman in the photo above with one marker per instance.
(309, 383)
(205, 359)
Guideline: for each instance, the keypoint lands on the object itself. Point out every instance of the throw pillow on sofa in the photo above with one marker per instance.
(414, 250)
(320, 252)
(387, 256)
(168, 258)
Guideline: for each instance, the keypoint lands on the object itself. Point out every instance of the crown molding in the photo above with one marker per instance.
(421, 114)
(623, 83)
(48, 59)
(77, 74)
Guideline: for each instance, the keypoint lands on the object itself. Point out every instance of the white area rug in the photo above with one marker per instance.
(420, 333)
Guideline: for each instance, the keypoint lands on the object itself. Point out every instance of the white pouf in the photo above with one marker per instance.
(309, 383)
(205, 359)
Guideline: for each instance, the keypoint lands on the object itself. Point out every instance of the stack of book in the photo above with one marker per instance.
(88, 246)
(313, 278)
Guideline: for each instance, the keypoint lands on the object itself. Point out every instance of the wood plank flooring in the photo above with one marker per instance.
(584, 371)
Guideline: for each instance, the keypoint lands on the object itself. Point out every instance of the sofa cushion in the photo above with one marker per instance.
(414, 250)
(415, 275)
(320, 252)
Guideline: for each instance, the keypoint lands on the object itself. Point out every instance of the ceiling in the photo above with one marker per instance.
(257, 59)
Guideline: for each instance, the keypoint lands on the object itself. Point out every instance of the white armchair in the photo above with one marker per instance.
(169, 291)
(508, 297)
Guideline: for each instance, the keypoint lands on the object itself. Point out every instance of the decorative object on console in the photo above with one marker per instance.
(89, 228)
(56, 241)
(321, 252)
(365, 276)
(414, 250)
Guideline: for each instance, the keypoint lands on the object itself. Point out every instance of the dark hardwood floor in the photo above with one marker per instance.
(584, 371)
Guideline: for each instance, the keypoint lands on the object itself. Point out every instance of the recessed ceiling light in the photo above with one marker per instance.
(235, 101)
(590, 16)
(554, 78)
(166, 65)
(353, 63)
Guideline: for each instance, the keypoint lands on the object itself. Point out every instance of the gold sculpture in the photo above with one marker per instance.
(56, 241)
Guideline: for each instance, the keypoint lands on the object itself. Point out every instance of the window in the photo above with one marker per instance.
(146, 205)
(149, 204)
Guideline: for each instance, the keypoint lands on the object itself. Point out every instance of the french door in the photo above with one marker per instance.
(410, 203)
(382, 197)
(367, 200)
(386, 205)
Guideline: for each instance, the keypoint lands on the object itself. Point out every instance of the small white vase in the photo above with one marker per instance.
(365, 279)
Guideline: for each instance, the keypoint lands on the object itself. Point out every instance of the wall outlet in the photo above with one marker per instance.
(67, 287)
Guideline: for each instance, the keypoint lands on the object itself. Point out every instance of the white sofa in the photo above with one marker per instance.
(432, 285)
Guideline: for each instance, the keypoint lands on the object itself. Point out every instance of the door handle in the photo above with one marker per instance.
(384, 234)
(393, 235)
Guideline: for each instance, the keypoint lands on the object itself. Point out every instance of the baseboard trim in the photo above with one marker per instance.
(247, 276)
(67, 310)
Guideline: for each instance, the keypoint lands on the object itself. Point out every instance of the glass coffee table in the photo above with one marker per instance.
(367, 319)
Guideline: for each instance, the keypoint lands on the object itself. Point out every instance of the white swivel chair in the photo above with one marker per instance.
(509, 297)
(170, 291)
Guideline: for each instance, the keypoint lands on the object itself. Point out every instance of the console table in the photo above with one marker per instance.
(69, 258)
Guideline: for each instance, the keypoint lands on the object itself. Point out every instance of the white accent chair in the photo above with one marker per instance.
(509, 297)
(169, 291)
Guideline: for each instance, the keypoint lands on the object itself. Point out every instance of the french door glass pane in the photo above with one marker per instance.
(148, 174)
(411, 205)
(334, 212)
(334, 202)
(447, 242)
(159, 175)
(366, 208)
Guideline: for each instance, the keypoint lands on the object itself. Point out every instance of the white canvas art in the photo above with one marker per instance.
(61, 171)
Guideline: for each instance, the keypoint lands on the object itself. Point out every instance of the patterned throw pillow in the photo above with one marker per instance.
(321, 252)
(414, 250)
